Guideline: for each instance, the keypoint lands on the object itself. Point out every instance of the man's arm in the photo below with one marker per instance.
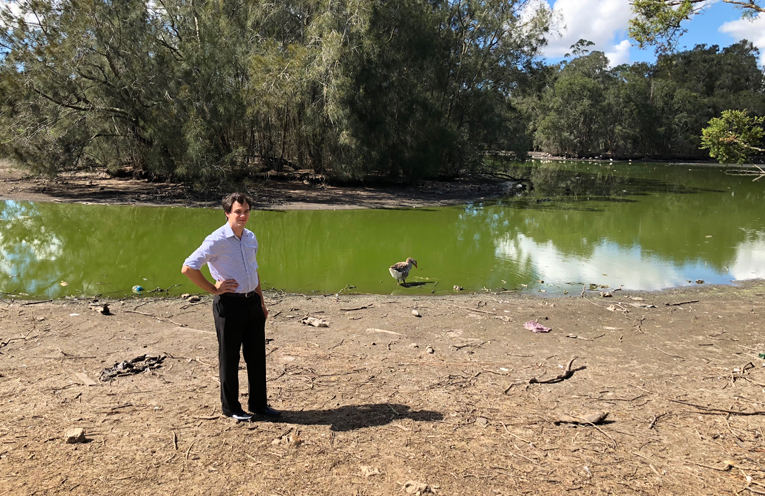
(262, 300)
(220, 287)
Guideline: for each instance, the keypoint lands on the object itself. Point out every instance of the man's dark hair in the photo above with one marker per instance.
(230, 199)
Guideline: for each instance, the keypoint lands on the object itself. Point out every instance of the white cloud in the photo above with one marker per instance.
(753, 31)
(599, 21)
(620, 54)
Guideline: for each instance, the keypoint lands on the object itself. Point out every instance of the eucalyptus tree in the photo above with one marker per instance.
(658, 22)
(200, 90)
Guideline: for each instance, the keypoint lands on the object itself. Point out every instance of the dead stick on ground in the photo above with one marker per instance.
(24, 338)
(357, 308)
(175, 441)
(473, 309)
(158, 318)
(189, 450)
(668, 354)
(727, 467)
(36, 302)
(719, 410)
(599, 429)
(681, 303)
(516, 437)
(648, 462)
(562, 377)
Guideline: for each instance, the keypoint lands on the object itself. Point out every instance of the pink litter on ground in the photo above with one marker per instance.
(534, 326)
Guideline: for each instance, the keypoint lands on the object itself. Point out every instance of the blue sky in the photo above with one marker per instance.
(604, 22)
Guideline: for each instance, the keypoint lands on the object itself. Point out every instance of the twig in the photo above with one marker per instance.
(434, 288)
(162, 319)
(175, 441)
(562, 377)
(36, 302)
(583, 288)
(473, 309)
(338, 344)
(656, 419)
(681, 303)
(727, 467)
(189, 450)
(718, 410)
(469, 345)
(357, 308)
(668, 354)
(6, 343)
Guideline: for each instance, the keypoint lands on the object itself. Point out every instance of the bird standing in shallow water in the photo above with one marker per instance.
(400, 270)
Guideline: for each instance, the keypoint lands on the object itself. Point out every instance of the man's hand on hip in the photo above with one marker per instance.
(227, 286)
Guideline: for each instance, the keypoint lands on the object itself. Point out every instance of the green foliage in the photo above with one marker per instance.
(733, 137)
(204, 91)
(644, 110)
(658, 22)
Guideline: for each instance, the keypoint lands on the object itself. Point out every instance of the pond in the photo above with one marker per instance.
(637, 226)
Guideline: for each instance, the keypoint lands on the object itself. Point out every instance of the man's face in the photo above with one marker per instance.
(239, 215)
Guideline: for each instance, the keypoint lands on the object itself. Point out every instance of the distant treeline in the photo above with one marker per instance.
(581, 107)
(208, 90)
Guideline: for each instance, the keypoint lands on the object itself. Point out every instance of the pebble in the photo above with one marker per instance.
(75, 435)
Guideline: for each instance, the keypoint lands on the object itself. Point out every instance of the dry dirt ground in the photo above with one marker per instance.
(95, 187)
(382, 398)
(383, 402)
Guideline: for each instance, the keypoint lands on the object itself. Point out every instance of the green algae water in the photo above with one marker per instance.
(636, 226)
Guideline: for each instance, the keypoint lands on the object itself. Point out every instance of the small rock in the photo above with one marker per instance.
(193, 298)
(458, 288)
(185, 296)
(483, 422)
(313, 321)
(369, 471)
(699, 281)
(430, 350)
(75, 435)
(415, 345)
(416, 313)
(605, 294)
(414, 487)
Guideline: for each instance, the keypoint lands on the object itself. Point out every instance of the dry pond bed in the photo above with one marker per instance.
(460, 400)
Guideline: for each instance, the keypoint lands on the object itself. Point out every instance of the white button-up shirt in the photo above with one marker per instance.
(229, 257)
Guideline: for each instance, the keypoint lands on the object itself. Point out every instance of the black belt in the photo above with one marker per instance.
(241, 295)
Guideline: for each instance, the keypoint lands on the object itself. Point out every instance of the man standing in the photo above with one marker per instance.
(239, 309)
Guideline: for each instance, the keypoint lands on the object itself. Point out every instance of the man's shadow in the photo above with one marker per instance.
(350, 417)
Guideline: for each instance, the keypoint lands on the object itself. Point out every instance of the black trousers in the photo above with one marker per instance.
(241, 325)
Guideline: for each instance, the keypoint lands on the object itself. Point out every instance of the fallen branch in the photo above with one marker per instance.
(158, 318)
(473, 309)
(668, 354)
(36, 302)
(681, 303)
(562, 377)
(357, 308)
(719, 410)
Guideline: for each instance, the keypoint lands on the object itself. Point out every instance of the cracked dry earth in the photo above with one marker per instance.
(382, 402)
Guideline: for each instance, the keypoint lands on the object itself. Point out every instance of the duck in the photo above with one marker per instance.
(400, 270)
